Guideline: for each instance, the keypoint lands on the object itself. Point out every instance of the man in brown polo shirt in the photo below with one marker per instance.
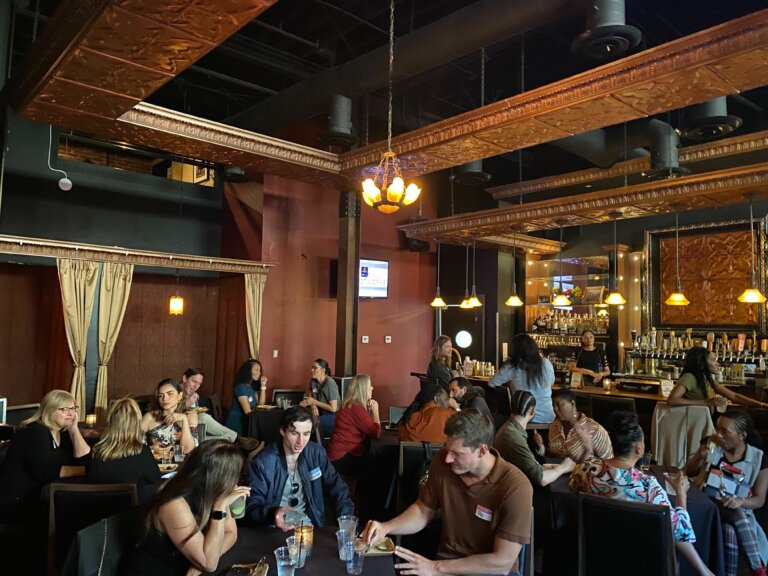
(485, 503)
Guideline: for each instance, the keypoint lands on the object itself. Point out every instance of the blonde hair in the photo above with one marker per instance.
(357, 393)
(436, 353)
(51, 402)
(123, 435)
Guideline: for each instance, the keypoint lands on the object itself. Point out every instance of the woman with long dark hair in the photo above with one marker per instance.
(697, 385)
(323, 396)
(527, 370)
(733, 452)
(188, 526)
(249, 390)
(165, 424)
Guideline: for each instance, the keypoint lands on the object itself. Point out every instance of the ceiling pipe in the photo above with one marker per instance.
(482, 23)
(607, 36)
(709, 121)
(340, 122)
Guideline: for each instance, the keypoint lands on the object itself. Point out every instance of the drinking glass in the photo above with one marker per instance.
(607, 384)
(237, 508)
(343, 537)
(293, 545)
(645, 462)
(355, 556)
(348, 523)
(304, 535)
(166, 455)
(178, 453)
(286, 563)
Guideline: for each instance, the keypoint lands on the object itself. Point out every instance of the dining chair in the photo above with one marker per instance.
(213, 403)
(414, 459)
(601, 407)
(603, 548)
(72, 507)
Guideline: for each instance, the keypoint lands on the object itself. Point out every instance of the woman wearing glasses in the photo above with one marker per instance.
(47, 446)
(323, 397)
(249, 390)
(288, 478)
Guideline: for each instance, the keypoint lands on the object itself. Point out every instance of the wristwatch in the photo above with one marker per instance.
(218, 515)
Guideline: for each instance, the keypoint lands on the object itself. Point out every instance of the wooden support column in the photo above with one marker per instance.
(346, 301)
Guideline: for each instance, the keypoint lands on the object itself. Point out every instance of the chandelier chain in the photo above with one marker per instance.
(482, 77)
(391, 69)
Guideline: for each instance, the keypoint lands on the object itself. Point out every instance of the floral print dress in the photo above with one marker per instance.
(594, 476)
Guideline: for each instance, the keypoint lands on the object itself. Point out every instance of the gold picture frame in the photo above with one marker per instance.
(199, 174)
(594, 294)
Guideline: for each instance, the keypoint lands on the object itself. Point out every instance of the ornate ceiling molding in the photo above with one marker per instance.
(56, 249)
(516, 243)
(733, 186)
(756, 141)
(722, 60)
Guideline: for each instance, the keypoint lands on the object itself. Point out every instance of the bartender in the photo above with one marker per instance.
(590, 362)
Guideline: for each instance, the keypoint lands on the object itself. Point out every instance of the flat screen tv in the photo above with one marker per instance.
(373, 278)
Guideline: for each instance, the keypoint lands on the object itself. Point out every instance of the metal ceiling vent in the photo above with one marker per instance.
(340, 122)
(607, 36)
(709, 121)
(664, 157)
(470, 174)
(235, 174)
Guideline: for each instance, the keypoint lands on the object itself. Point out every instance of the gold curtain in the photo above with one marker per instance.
(254, 292)
(78, 286)
(115, 287)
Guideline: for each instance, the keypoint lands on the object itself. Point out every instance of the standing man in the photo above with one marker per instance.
(485, 503)
(464, 395)
(288, 477)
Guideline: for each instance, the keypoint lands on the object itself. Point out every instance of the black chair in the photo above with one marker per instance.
(499, 400)
(601, 407)
(72, 507)
(603, 547)
(15, 415)
(414, 459)
(213, 403)
(6, 432)
(526, 563)
(291, 394)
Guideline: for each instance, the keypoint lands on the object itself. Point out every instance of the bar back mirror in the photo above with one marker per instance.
(715, 268)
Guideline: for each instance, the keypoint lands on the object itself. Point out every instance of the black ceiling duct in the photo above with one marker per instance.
(340, 122)
(664, 157)
(235, 174)
(470, 174)
(607, 36)
(709, 121)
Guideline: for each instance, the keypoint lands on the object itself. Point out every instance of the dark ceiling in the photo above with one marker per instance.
(296, 39)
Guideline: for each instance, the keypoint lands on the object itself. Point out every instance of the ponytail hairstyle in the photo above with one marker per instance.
(744, 423)
(522, 402)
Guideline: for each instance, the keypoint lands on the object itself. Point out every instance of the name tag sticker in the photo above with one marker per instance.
(315, 473)
(484, 513)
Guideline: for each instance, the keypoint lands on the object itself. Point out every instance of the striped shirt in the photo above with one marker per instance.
(571, 445)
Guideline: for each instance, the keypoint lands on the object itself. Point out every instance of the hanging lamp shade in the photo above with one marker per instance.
(474, 301)
(438, 302)
(677, 298)
(752, 295)
(561, 300)
(514, 301)
(176, 306)
(466, 304)
(615, 298)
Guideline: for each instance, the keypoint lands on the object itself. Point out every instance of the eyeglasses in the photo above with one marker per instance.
(68, 409)
(294, 500)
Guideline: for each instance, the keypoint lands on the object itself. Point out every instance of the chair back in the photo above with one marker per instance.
(499, 400)
(292, 395)
(6, 432)
(603, 548)
(4, 446)
(525, 561)
(415, 457)
(601, 407)
(213, 403)
(74, 506)
(15, 415)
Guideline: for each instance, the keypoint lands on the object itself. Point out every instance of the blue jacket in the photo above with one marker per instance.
(268, 473)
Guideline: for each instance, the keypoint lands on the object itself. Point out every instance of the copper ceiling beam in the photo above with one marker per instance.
(734, 146)
(712, 189)
(726, 59)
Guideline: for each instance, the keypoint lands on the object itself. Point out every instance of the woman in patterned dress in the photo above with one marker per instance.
(165, 425)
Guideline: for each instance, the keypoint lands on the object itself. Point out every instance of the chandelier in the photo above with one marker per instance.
(387, 191)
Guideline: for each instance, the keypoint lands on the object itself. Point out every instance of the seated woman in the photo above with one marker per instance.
(188, 527)
(439, 369)
(512, 443)
(356, 423)
(527, 370)
(250, 390)
(164, 424)
(697, 386)
(121, 456)
(427, 423)
(618, 478)
(323, 396)
(47, 446)
(573, 434)
(733, 451)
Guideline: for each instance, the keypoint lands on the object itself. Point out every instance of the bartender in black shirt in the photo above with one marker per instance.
(590, 362)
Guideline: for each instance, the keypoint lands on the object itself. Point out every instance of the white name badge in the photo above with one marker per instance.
(484, 513)
(315, 473)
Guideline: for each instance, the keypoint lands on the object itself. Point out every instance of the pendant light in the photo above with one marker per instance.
(615, 298)
(466, 304)
(474, 301)
(677, 298)
(514, 299)
(387, 191)
(561, 299)
(438, 302)
(176, 302)
(752, 295)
